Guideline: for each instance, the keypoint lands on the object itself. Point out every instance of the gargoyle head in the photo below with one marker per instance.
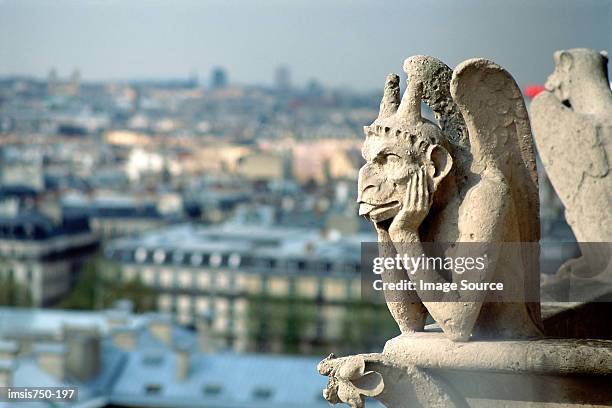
(572, 67)
(398, 143)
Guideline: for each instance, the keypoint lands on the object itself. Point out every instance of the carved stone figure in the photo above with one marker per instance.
(469, 178)
(572, 123)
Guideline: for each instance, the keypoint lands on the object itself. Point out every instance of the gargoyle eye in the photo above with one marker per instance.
(383, 157)
(392, 156)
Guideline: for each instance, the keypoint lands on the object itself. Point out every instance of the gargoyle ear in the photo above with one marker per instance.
(442, 163)
(564, 60)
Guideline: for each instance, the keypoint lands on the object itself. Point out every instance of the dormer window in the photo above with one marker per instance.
(178, 257)
(141, 255)
(196, 259)
(262, 393)
(234, 260)
(153, 389)
(212, 390)
(215, 260)
(159, 256)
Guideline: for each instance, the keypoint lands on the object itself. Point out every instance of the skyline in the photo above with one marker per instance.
(342, 44)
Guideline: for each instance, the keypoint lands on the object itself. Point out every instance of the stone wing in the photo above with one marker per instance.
(569, 140)
(500, 135)
(496, 118)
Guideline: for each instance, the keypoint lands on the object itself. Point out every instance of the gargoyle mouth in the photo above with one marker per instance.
(379, 212)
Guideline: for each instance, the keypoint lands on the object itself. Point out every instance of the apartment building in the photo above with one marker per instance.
(222, 272)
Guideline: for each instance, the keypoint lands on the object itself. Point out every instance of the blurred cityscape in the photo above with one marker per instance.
(158, 236)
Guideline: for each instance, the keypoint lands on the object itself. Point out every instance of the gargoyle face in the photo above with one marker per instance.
(391, 160)
(558, 82)
(383, 179)
(397, 145)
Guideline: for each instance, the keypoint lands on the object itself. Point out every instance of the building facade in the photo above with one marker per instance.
(43, 255)
(229, 273)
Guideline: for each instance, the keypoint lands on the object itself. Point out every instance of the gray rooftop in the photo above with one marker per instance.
(277, 242)
(147, 374)
(221, 380)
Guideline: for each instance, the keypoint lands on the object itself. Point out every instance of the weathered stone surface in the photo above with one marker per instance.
(572, 124)
(428, 370)
(353, 378)
(470, 178)
(541, 356)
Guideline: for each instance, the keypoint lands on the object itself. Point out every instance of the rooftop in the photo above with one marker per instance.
(279, 242)
(146, 374)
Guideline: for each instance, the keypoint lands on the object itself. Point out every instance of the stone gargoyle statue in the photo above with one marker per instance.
(469, 178)
(572, 124)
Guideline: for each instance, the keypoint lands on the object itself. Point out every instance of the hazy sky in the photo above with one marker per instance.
(340, 42)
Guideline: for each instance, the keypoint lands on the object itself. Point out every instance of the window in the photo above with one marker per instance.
(203, 279)
(221, 305)
(249, 283)
(261, 393)
(212, 389)
(278, 286)
(148, 276)
(164, 303)
(178, 257)
(335, 289)
(184, 302)
(140, 255)
(234, 260)
(196, 259)
(152, 359)
(240, 305)
(153, 389)
(129, 275)
(185, 279)
(307, 287)
(166, 278)
(202, 304)
(222, 281)
(220, 323)
(216, 260)
(159, 256)
(351, 268)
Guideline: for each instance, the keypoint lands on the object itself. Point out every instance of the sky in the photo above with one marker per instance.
(342, 43)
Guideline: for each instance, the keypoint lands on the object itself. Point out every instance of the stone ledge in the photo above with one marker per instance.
(433, 351)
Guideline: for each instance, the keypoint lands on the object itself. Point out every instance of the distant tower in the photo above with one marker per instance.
(75, 78)
(193, 79)
(52, 76)
(219, 78)
(282, 78)
(52, 81)
(75, 82)
(314, 88)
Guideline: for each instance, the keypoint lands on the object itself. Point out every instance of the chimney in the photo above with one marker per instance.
(6, 372)
(83, 352)
(8, 349)
(182, 362)
(116, 318)
(160, 326)
(206, 343)
(51, 357)
(124, 337)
